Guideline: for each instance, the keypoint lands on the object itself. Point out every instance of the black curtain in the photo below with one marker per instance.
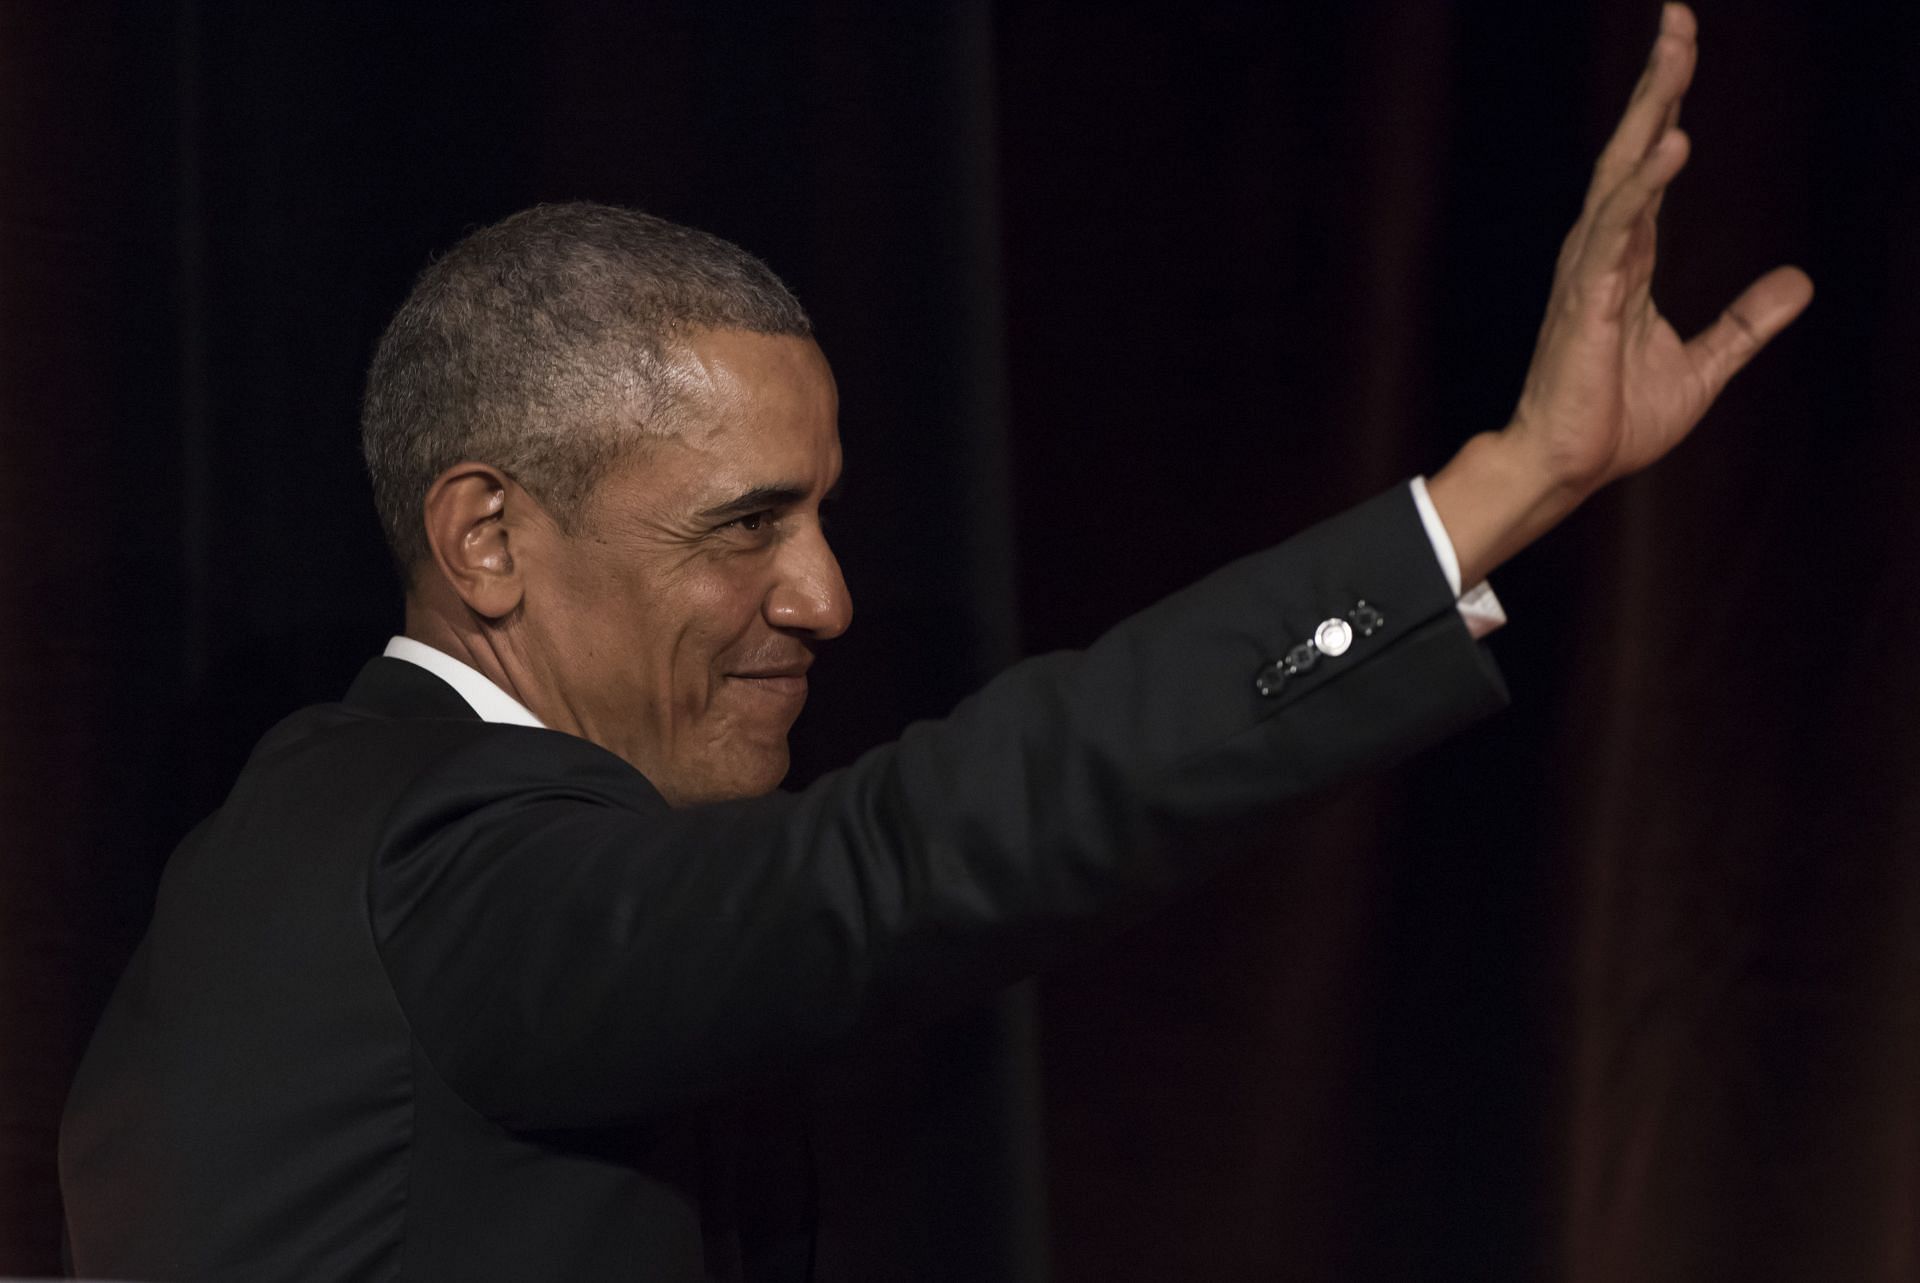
(1621, 985)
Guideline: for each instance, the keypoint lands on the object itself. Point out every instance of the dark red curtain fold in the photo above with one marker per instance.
(1623, 985)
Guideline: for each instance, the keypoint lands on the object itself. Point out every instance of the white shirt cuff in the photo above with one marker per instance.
(1477, 605)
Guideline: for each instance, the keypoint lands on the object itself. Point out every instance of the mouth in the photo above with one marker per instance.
(788, 682)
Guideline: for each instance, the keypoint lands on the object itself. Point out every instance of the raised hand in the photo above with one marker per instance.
(1612, 387)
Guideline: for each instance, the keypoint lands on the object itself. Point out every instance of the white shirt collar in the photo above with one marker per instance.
(486, 699)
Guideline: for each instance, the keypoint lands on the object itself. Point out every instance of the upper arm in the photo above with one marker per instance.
(569, 950)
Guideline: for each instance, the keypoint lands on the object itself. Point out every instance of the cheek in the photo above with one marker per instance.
(715, 627)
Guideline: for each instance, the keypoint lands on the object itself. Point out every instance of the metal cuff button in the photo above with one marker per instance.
(1333, 637)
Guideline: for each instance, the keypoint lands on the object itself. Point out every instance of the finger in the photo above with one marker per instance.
(1671, 123)
(1627, 211)
(1764, 309)
(1677, 21)
(1655, 105)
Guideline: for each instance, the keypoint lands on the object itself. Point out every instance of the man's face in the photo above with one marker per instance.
(676, 626)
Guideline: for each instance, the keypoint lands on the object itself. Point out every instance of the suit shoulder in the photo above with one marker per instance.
(342, 749)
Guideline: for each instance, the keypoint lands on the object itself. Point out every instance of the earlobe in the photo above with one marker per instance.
(470, 530)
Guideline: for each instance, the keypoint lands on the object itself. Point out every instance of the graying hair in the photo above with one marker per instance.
(542, 345)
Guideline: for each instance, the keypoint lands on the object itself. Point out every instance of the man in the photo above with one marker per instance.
(461, 979)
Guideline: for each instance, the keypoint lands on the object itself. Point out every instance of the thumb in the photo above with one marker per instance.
(1765, 308)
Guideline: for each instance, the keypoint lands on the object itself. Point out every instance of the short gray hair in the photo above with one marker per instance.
(541, 345)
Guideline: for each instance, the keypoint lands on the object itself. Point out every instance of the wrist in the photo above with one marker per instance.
(1496, 496)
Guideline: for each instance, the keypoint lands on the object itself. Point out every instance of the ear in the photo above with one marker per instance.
(475, 514)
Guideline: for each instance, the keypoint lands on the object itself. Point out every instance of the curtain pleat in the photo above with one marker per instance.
(1619, 986)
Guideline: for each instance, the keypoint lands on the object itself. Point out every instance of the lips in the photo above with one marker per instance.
(785, 681)
(789, 685)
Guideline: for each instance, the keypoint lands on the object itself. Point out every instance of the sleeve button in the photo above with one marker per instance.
(1333, 637)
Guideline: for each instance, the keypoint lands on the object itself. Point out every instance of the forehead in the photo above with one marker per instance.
(734, 383)
(752, 410)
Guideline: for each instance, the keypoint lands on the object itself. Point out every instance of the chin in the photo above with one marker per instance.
(731, 781)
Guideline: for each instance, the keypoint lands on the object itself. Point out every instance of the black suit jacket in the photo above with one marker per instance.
(432, 998)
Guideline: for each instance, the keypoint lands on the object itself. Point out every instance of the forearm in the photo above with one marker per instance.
(571, 950)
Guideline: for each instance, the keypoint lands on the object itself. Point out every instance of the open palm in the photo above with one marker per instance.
(1612, 386)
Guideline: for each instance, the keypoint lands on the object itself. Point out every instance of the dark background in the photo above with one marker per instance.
(1620, 986)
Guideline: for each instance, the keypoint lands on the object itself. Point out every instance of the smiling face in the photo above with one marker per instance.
(675, 627)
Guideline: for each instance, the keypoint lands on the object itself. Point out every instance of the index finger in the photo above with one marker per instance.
(1655, 103)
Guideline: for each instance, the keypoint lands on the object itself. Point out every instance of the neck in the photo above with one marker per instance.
(474, 644)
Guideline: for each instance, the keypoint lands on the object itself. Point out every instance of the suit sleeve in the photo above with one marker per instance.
(572, 952)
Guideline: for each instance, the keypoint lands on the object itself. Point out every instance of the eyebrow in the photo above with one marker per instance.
(758, 499)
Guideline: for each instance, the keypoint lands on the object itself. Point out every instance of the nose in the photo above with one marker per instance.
(810, 597)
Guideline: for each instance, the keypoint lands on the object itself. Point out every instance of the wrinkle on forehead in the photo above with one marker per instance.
(713, 391)
(711, 397)
(749, 410)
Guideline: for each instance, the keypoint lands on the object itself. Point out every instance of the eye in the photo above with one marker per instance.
(752, 522)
